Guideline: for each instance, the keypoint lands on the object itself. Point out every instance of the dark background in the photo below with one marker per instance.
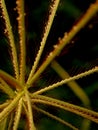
(78, 56)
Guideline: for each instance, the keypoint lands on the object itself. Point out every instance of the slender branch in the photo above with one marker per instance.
(79, 92)
(10, 35)
(42, 44)
(30, 113)
(17, 115)
(6, 88)
(10, 107)
(66, 39)
(84, 112)
(21, 31)
(10, 80)
(76, 88)
(11, 121)
(56, 118)
(3, 124)
(66, 81)
(5, 104)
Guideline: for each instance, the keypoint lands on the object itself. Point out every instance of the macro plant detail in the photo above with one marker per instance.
(22, 101)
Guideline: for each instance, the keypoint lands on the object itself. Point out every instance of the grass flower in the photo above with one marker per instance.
(17, 111)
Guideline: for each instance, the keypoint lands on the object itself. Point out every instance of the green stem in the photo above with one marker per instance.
(21, 31)
(79, 92)
(66, 81)
(43, 42)
(6, 88)
(9, 32)
(66, 39)
(30, 113)
(10, 107)
(17, 115)
(56, 118)
(10, 80)
(84, 112)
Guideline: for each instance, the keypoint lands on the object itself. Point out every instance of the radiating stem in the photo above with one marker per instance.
(76, 88)
(17, 115)
(5, 104)
(66, 39)
(66, 81)
(10, 35)
(84, 112)
(30, 113)
(6, 88)
(21, 31)
(47, 30)
(10, 107)
(10, 80)
(56, 118)
(79, 92)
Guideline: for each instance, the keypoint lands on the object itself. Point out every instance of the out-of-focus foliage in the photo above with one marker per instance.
(80, 55)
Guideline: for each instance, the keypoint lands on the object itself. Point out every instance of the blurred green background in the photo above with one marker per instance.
(78, 56)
